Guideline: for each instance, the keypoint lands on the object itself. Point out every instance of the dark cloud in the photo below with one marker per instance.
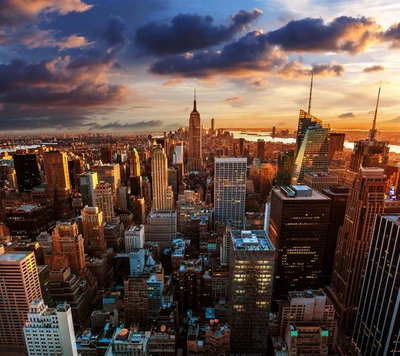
(188, 32)
(343, 34)
(251, 53)
(113, 31)
(346, 115)
(16, 118)
(85, 95)
(375, 68)
(392, 34)
(296, 69)
(133, 125)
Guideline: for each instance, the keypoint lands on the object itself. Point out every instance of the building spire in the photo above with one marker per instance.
(194, 102)
(372, 132)
(309, 100)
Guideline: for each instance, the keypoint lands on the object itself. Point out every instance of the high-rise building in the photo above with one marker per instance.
(58, 186)
(305, 121)
(67, 240)
(251, 276)
(309, 305)
(285, 168)
(106, 154)
(56, 169)
(136, 300)
(306, 338)
(267, 175)
(93, 230)
(178, 153)
(313, 154)
(134, 238)
(161, 227)
(19, 287)
(134, 163)
(27, 171)
(366, 199)
(336, 143)
(338, 196)
(195, 159)
(29, 220)
(87, 184)
(230, 191)
(298, 228)
(50, 332)
(73, 289)
(260, 149)
(103, 199)
(109, 173)
(320, 180)
(377, 324)
(212, 126)
(370, 152)
(159, 169)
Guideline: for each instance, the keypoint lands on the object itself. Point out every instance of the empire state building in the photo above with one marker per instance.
(195, 161)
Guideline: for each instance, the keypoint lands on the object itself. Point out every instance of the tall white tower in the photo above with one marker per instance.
(50, 332)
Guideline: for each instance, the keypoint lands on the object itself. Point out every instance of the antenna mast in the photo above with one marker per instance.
(372, 132)
(309, 100)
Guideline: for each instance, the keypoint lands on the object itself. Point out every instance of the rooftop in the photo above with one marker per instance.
(255, 240)
(12, 257)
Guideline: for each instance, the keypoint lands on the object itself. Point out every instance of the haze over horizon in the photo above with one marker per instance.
(117, 65)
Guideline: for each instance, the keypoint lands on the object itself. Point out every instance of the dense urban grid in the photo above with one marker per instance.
(195, 242)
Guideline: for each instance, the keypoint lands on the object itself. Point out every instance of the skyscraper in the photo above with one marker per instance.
(313, 154)
(103, 199)
(370, 152)
(27, 171)
(159, 169)
(306, 120)
(56, 169)
(298, 228)
(134, 163)
(377, 325)
(366, 199)
(20, 286)
(336, 142)
(67, 240)
(93, 231)
(106, 154)
(339, 196)
(109, 173)
(87, 184)
(50, 332)
(195, 160)
(251, 275)
(285, 168)
(230, 191)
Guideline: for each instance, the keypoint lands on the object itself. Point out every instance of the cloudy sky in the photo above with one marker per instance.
(132, 65)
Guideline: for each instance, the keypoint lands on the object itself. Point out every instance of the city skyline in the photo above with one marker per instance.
(113, 66)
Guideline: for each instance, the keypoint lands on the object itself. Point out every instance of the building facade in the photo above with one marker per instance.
(20, 286)
(50, 332)
(230, 191)
(377, 324)
(298, 228)
(251, 276)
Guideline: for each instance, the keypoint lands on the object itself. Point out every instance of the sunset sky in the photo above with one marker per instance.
(132, 65)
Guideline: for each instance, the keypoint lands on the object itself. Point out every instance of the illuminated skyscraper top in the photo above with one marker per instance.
(370, 152)
(195, 161)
